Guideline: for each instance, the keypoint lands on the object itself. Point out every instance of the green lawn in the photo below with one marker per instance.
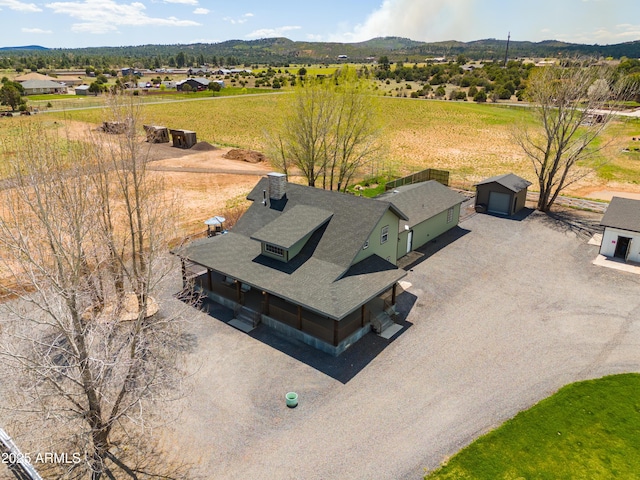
(586, 430)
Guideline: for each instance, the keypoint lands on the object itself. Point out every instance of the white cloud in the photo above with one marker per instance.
(20, 6)
(272, 32)
(240, 20)
(201, 11)
(102, 16)
(602, 36)
(415, 19)
(183, 2)
(35, 30)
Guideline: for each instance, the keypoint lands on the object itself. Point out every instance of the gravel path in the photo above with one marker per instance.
(499, 318)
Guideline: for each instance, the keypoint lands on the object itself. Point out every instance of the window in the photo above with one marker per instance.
(366, 245)
(384, 234)
(450, 215)
(274, 250)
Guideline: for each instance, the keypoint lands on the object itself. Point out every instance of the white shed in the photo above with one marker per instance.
(621, 237)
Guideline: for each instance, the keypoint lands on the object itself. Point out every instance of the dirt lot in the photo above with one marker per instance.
(204, 181)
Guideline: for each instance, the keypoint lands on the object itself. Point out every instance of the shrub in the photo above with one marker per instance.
(480, 97)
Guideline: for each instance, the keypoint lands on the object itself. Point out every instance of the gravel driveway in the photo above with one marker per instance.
(499, 318)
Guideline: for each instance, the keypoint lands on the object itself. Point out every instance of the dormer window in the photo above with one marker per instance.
(274, 250)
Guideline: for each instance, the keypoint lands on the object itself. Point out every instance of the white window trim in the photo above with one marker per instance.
(384, 234)
(366, 245)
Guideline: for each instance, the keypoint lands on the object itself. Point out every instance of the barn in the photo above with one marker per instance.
(502, 195)
(621, 237)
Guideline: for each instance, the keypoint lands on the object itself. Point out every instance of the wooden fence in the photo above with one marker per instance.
(441, 176)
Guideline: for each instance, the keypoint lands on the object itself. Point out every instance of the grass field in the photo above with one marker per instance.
(472, 141)
(586, 430)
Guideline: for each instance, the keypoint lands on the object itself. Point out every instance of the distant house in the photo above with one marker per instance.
(195, 71)
(38, 87)
(194, 83)
(318, 266)
(83, 90)
(342, 57)
(131, 71)
(621, 237)
(221, 71)
(503, 195)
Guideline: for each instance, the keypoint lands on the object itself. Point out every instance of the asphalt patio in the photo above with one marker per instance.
(499, 314)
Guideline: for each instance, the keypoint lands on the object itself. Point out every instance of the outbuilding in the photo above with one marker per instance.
(621, 237)
(502, 195)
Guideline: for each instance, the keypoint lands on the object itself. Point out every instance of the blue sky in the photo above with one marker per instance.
(89, 23)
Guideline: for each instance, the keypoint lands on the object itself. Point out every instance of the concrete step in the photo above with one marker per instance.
(381, 322)
(245, 320)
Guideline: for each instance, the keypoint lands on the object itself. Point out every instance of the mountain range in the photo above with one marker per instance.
(279, 50)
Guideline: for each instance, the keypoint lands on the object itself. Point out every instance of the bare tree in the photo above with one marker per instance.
(571, 108)
(329, 131)
(83, 235)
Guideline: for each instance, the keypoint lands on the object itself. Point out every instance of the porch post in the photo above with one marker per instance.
(393, 294)
(299, 317)
(335, 333)
(362, 313)
(184, 273)
(239, 290)
(210, 278)
(265, 308)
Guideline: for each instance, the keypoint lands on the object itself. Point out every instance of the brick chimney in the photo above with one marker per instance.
(277, 185)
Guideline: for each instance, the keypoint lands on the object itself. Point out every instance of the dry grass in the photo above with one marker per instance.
(471, 140)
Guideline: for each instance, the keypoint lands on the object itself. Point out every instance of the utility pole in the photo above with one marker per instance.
(506, 54)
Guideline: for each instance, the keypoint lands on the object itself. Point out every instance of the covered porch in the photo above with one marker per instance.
(288, 318)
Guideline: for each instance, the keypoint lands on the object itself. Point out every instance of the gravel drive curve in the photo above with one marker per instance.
(499, 317)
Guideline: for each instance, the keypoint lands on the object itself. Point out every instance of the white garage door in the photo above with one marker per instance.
(499, 203)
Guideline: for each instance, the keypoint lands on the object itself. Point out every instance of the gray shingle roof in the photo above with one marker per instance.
(29, 84)
(421, 201)
(509, 180)
(292, 226)
(321, 276)
(353, 218)
(623, 213)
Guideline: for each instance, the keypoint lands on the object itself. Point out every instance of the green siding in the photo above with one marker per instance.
(295, 249)
(427, 230)
(389, 248)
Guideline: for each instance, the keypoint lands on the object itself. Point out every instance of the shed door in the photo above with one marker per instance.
(410, 241)
(499, 203)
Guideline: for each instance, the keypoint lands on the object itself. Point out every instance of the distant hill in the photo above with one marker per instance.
(281, 51)
(26, 47)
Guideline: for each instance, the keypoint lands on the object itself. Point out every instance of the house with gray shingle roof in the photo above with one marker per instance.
(36, 87)
(503, 195)
(317, 265)
(621, 237)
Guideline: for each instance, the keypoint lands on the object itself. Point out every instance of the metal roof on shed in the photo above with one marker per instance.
(509, 180)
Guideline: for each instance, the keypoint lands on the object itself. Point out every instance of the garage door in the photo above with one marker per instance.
(499, 203)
